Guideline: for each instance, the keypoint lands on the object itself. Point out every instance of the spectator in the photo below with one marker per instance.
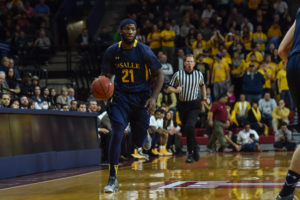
(16, 71)
(28, 9)
(35, 81)
(139, 37)
(215, 42)
(274, 31)
(253, 6)
(73, 105)
(167, 99)
(52, 97)
(207, 59)
(42, 44)
(15, 104)
(104, 38)
(258, 57)
(63, 98)
(15, 4)
(71, 94)
(4, 64)
(249, 139)
(266, 106)
(175, 27)
(22, 46)
(280, 7)
(83, 41)
(24, 102)
(280, 114)
(46, 95)
(260, 37)
(283, 87)
(220, 76)
(92, 106)
(31, 104)
(13, 84)
(199, 41)
(240, 110)
(237, 72)
(168, 44)
(235, 16)
(4, 88)
(185, 27)
(203, 68)
(174, 139)
(39, 102)
(26, 86)
(155, 126)
(231, 96)
(178, 64)
(166, 68)
(229, 39)
(254, 117)
(65, 107)
(283, 138)
(189, 41)
(217, 117)
(205, 29)
(208, 11)
(247, 23)
(81, 107)
(43, 10)
(5, 101)
(268, 76)
(247, 38)
(252, 84)
(154, 39)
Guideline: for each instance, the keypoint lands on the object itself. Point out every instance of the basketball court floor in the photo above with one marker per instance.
(216, 176)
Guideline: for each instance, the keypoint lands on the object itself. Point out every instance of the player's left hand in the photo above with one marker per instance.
(152, 105)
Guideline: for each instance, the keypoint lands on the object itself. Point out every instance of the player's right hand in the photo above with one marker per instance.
(152, 105)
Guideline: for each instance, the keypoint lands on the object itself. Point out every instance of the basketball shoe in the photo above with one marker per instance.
(112, 185)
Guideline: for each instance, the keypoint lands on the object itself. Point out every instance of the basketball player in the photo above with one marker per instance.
(132, 63)
(289, 50)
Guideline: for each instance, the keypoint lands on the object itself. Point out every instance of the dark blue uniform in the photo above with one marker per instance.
(293, 65)
(133, 69)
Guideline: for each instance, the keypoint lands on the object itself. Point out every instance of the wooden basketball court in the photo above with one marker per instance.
(215, 176)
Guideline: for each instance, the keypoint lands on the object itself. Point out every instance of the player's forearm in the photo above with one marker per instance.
(158, 83)
(286, 43)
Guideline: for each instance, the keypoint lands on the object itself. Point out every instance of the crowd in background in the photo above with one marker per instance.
(235, 45)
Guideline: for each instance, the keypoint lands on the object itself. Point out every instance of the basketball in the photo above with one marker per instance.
(102, 88)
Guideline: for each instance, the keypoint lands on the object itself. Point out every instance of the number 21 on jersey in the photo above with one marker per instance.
(128, 76)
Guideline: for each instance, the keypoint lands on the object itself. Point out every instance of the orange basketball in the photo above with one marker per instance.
(102, 88)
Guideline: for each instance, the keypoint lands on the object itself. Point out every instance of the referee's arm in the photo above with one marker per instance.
(174, 82)
(177, 90)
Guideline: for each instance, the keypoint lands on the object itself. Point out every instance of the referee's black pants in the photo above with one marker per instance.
(188, 113)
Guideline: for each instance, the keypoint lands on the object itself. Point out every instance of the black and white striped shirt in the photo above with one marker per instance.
(190, 82)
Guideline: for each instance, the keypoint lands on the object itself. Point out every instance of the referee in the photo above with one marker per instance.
(187, 83)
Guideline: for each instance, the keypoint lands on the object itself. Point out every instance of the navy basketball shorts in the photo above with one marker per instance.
(129, 107)
(293, 78)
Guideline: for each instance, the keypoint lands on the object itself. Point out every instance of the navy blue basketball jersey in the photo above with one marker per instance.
(132, 67)
(296, 43)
